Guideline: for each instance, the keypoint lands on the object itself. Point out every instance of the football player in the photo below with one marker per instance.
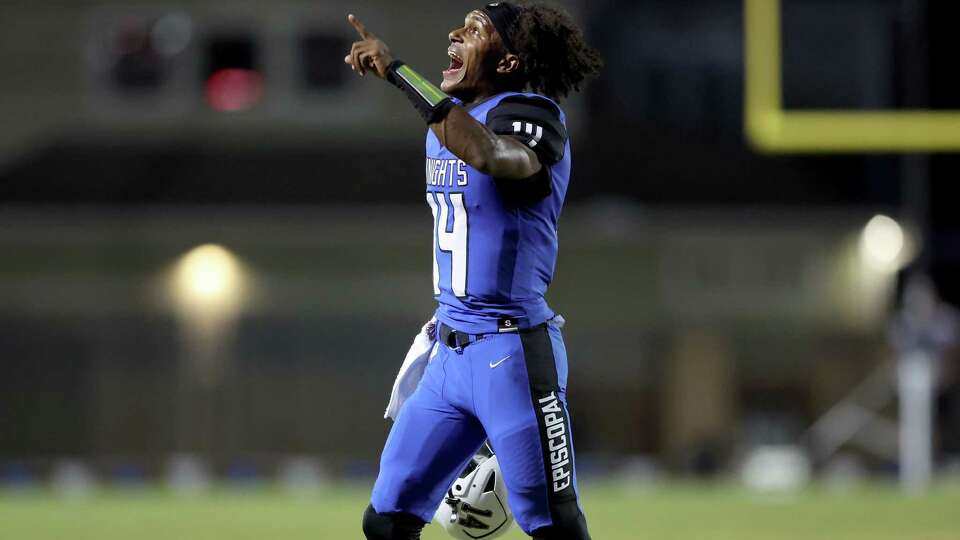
(497, 168)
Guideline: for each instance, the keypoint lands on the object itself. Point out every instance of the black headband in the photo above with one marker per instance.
(503, 15)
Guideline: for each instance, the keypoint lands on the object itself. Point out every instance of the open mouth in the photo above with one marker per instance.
(456, 64)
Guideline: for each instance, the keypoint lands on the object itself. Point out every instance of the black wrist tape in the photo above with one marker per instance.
(432, 104)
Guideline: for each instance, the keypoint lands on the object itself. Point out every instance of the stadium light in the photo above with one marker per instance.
(209, 280)
(882, 243)
(208, 286)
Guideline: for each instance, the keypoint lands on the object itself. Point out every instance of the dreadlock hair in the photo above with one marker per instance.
(555, 58)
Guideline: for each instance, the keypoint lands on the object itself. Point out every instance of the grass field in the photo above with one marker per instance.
(686, 512)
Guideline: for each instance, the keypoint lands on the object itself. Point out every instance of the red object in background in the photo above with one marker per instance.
(234, 90)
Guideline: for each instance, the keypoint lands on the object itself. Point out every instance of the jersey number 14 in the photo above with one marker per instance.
(453, 242)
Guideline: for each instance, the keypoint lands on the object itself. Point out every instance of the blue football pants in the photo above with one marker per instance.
(509, 388)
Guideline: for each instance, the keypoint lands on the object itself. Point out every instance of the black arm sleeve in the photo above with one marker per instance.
(536, 123)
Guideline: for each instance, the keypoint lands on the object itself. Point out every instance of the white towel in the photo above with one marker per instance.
(411, 371)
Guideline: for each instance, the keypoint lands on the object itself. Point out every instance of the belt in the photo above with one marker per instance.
(455, 339)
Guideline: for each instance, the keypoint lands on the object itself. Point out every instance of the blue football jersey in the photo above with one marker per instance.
(495, 240)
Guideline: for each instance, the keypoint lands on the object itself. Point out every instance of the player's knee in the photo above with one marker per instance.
(568, 524)
(391, 526)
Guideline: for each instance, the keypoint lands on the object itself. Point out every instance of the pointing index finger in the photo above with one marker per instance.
(359, 27)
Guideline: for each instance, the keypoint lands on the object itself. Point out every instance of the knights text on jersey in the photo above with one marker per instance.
(495, 240)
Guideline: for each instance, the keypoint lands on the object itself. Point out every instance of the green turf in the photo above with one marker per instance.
(667, 513)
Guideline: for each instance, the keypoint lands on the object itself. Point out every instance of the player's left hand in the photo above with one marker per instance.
(368, 54)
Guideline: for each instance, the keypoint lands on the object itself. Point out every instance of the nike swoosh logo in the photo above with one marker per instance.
(500, 361)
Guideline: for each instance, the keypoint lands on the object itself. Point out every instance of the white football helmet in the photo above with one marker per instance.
(476, 504)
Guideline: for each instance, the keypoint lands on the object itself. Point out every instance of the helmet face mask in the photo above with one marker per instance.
(476, 505)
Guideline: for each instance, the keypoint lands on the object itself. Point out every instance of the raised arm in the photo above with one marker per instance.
(497, 155)
(501, 156)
